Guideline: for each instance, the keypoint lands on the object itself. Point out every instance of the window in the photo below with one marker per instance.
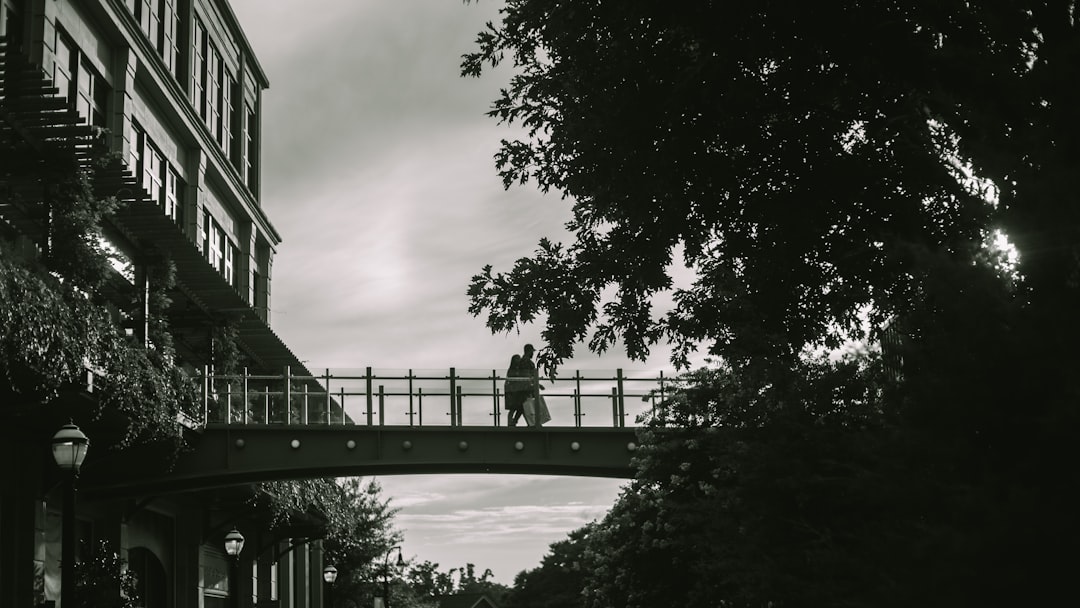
(230, 257)
(157, 177)
(170, 26)
(215, 245)
(198, 70)
(93, 96)
(79, 82)
(225, 128)
(250, 167)
(201, 226)
(218, 248)
(159, 21)
(213, 88)
(148, 12)
(174, 188)
(9, 24)
(135, 150)
(152, 168)
(213, 91)
(64, 64)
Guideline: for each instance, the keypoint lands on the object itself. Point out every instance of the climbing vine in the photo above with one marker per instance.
(55, 323)
(99, 578)
(51, 333)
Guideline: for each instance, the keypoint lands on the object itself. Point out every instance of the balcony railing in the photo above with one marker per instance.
(423, 398)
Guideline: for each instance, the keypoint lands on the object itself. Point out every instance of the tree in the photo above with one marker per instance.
(103, 581)
(559, 581)
(359, 527)
(801, 159)
(826, 173)
(426, 583)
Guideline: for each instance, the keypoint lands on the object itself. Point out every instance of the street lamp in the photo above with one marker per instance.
(234, 544)
(69, 447)
(329, 574)
(386, 573)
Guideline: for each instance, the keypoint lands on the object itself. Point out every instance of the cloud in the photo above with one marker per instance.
(377, 171)
(503, 522)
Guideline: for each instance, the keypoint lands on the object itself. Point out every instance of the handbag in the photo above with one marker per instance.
(536, 409)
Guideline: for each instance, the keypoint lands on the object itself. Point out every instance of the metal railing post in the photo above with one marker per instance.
(287, 392)
(367, 390)
(661, 398)
(329, 396)
(614, 406)
(244, 395)
(420, 405)
(495, 397)
(206, 394)
(453, 397)
(622, 404)
(410, 398)
(329, 412)
(577, 398)
(382, 406)
(459, 406)
(304, 412)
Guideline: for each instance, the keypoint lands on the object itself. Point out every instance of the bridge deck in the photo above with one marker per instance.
(223, 455)
(264, 427)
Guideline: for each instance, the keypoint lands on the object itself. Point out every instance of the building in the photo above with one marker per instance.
(466, 600)
(173, 90)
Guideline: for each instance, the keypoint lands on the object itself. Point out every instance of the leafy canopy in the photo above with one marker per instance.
(799, 158)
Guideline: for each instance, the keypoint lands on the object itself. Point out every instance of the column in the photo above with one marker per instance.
(42, 34)
(195, 169)
(247, 265)
(186, 554)
(125, 65)
(285, 577)
(263, 589)
(315, 574)
(267, 280)
(300, 577)
(19, 506)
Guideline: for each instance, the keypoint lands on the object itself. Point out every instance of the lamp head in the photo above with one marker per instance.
(329, 574)
(69, 447)
(234, 542)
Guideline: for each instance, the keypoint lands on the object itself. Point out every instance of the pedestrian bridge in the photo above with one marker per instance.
(366, 422)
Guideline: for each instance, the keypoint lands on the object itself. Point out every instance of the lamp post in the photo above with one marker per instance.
(329, 574)
(69, 447)
(386, 573)
(234, 544)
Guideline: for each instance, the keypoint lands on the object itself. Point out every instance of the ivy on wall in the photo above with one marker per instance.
(51, 333)
(55, 325)
(102, 581)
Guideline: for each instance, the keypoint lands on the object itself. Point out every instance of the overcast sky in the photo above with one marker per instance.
(378, 173)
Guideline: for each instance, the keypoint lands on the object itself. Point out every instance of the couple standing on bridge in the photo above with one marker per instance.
(522, 388)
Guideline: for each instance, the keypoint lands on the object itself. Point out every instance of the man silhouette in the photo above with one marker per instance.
(520, 384)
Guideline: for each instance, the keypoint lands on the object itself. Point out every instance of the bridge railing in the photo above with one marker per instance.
(451, 397)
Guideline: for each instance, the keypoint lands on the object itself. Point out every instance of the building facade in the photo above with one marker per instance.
(173, 89)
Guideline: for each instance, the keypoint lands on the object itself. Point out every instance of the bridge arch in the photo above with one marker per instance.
(255, 428)
(223, 455)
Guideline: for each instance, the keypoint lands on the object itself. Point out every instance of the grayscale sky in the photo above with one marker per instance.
(378, 173)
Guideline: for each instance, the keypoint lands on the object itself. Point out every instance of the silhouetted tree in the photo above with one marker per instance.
(559, 580)
(826, 172)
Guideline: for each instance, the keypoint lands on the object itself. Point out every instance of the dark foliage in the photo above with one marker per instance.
(826, 172)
